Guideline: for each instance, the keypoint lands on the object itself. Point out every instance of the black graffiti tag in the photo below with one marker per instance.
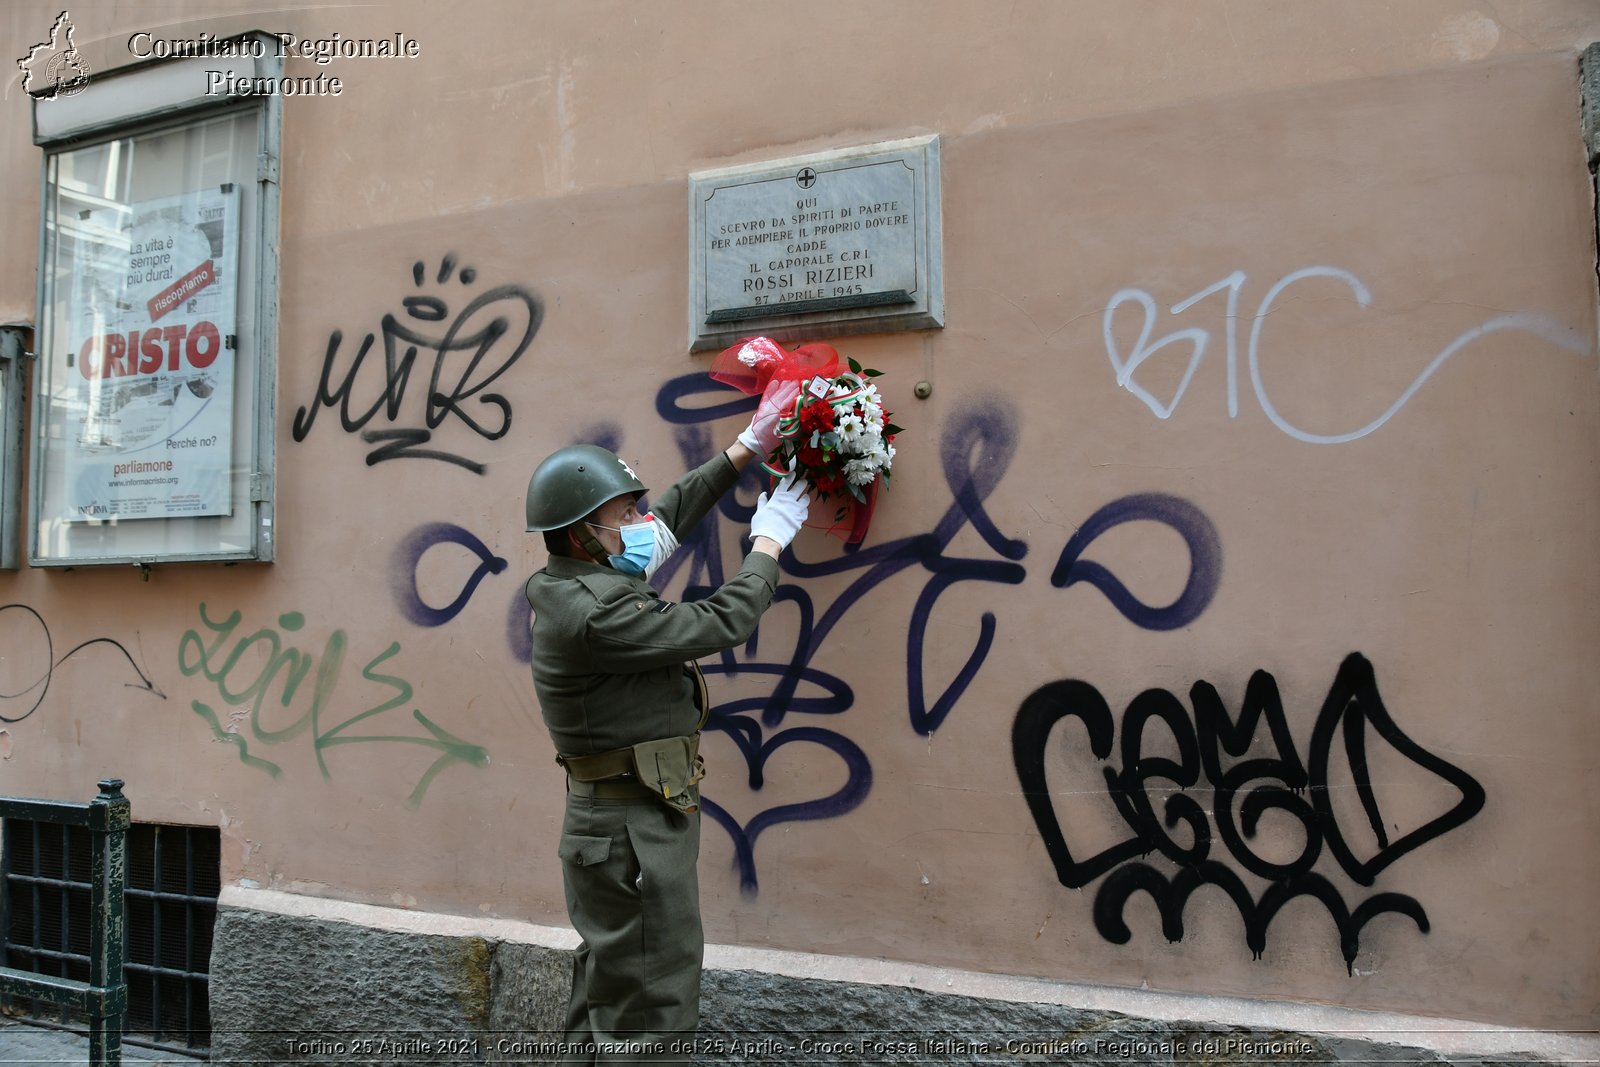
(481, 344)
(1259, 784)
(26, 629)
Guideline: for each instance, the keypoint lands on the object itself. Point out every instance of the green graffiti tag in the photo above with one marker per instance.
(274, 723)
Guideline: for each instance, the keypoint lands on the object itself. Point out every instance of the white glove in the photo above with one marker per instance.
(780, 515)
(761, 436)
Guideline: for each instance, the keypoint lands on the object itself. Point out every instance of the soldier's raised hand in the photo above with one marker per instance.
(780, 514)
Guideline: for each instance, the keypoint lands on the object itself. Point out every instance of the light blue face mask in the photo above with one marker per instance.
(645, 547)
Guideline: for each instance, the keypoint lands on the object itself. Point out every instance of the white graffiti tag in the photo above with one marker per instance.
(1542, 326)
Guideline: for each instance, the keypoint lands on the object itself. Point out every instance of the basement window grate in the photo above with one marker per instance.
(174, 876)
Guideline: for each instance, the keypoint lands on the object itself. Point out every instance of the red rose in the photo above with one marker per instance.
(810, 457)
(830, 483)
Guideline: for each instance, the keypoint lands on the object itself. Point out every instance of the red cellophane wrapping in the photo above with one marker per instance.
(760, 365)
(752, 365)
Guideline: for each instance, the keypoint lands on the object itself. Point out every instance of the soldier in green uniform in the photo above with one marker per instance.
(614, 670)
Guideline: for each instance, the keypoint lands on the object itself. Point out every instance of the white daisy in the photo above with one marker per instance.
(860, 472)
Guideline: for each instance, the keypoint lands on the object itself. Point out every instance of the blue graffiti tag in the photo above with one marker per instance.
(1197, 531)
(408, 554)
(978, 446)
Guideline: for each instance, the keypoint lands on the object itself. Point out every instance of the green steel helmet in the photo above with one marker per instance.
(573, 481)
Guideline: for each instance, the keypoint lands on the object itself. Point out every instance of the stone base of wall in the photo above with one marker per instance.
(304, 981)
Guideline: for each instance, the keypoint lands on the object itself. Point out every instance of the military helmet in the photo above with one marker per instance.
(573, 481)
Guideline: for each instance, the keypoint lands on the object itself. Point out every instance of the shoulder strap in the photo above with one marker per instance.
(702, 695)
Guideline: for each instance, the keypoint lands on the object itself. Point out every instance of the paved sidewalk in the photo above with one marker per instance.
(38, 1046)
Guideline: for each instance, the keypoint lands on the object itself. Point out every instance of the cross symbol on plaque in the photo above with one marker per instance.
(807, 178)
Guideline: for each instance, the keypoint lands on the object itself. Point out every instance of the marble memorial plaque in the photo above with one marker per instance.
(846, 241)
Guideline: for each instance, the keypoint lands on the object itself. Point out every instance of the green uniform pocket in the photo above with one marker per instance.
(581, 850)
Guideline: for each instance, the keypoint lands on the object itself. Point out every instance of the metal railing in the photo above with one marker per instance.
(103, 999)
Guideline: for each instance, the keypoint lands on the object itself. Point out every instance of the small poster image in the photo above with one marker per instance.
(146, 392)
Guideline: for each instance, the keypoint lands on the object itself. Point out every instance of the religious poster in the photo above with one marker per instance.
(146, 393)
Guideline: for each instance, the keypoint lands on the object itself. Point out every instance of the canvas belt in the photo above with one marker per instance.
(616, 765)
(616, 789)
(602, 766)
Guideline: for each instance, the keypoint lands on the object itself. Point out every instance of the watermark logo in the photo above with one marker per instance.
(54, 68)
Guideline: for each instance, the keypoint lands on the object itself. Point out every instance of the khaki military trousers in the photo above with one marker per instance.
(633, 895)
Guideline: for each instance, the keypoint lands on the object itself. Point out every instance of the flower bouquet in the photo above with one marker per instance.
(832, 427)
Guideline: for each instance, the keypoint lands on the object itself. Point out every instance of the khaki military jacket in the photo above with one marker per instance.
(609, 654)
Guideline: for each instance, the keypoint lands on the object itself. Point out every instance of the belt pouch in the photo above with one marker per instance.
(669, 768)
